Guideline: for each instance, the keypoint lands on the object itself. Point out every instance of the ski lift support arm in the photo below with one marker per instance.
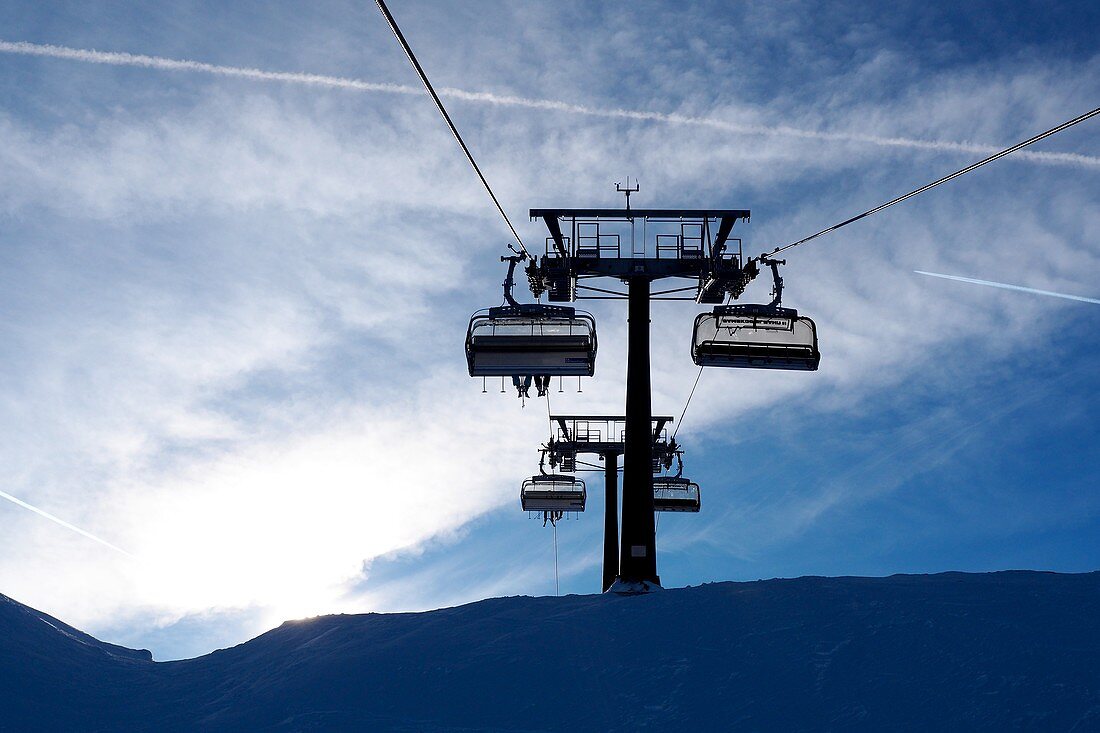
(659, 425)
(777, 280)
(725, 226)
(509, 279)
(555, 232)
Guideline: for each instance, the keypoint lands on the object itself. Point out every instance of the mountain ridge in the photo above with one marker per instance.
(991, 651)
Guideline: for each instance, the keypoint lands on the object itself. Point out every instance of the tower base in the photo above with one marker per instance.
(634, 587)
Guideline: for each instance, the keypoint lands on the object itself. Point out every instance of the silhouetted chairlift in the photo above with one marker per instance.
(755, 337)
(675, 494)
(530, 339)
(552, 493)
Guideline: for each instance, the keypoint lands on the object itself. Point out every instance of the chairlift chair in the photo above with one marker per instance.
(552, 493)
(675, 494)
(751, 336)
(531, 339)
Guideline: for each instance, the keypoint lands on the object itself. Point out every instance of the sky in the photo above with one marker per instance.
(233, 304)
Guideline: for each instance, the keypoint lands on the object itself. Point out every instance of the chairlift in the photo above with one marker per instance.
(675, 494)
(552, 493)
(531, 339)
(756, 336)
(752, 336)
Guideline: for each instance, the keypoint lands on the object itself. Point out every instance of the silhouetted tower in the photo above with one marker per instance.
(639, 247)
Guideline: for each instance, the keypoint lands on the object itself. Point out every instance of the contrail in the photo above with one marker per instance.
(62, 522)
(157, 62)
(1021, 288)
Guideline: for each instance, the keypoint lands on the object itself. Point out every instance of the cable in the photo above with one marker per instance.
(447, 118)
(691, 394)
(684, 412)
(945, 179)
(556, 591)
(549, 420)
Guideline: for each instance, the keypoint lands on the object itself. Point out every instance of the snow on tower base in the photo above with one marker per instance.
(629, 588)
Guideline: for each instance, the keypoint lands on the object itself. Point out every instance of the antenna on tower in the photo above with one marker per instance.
(628, 190)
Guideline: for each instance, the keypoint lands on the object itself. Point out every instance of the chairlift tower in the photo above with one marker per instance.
(638, 247)
(533, 342)
(604, 436)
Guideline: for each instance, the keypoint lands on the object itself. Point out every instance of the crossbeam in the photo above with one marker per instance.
(567, 424)
(642, 213)
(602, 418)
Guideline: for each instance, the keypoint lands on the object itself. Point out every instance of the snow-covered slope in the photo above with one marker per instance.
(1000, 651)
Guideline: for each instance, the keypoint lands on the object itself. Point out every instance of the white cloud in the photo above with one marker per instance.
(551, 105)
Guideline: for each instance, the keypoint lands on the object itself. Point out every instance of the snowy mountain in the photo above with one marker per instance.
(998, 651)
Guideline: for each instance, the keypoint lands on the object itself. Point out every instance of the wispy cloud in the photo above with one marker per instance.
(115, 58)
(1006, 286)
(62, 522)
(158, 62)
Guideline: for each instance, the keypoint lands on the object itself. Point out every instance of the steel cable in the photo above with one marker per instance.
(447, 118)
(688, 402)
(945, 179)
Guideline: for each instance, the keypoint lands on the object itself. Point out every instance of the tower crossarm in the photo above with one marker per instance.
(599, 434)
(652, 244)
(732, 214)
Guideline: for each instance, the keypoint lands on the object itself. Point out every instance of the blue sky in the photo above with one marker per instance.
(233, 309)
